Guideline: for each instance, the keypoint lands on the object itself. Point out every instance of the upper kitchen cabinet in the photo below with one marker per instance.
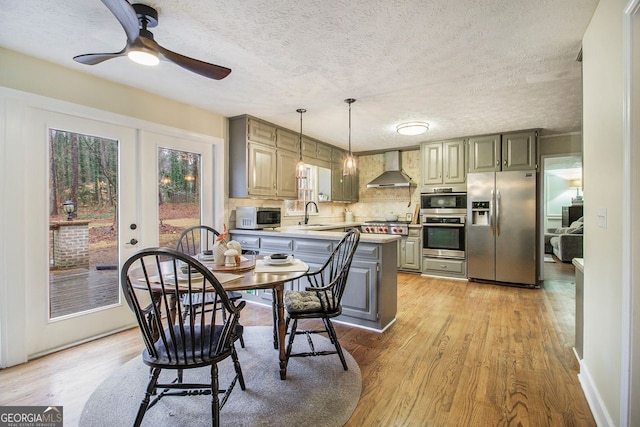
(443, 163)
(512, 151)
(315, 152)
(261, 170)
(261, 132)
(287, 140)
(323, 152)
(484, 153)
(344, 188)
(308, 148)
(519, 151)
(258, 166)
(286, 182)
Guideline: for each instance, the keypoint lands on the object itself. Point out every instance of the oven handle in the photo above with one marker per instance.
(443, 225)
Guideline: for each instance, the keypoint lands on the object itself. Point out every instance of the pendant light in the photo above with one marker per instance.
(301, 168)
(350, 162)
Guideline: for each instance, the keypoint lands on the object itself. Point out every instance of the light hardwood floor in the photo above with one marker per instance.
(459, 354)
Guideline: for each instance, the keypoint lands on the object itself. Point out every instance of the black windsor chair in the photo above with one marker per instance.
(192, 241)
(321, 299)
(158, 275)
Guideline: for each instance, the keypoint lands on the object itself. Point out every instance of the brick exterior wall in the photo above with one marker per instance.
(70, 244)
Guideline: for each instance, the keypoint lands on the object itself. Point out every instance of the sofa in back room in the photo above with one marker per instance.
(565, 242)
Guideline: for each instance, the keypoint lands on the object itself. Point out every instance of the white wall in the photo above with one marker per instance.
(603, 166)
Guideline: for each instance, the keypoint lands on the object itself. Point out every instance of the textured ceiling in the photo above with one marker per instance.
(465, 66)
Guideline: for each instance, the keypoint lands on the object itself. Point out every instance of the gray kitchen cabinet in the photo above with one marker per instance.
(411, 251)
(254, 146)
(485, 153)
(309, 147)
(261, 170)
(360, 298)
(443, 162)
(511, 151)
(258, 131)
(262, 163)
(286, 182)
(370, 297)
(287, 140)
(323, 152)
(344, 188)
(519, 151)
(443, 267)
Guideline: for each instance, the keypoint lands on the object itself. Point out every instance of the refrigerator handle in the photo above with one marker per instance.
(497, 212)
(491, 213)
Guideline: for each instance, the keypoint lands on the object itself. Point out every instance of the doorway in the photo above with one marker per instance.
(562, 204)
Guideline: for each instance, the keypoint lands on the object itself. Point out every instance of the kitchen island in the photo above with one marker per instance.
(370, 297)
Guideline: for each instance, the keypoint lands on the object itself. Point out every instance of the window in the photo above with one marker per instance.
(307, 192)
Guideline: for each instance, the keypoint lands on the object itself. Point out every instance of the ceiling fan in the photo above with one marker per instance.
(142, 48)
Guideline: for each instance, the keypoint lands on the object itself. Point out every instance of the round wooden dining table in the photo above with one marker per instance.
(274, 280)
(246, 278)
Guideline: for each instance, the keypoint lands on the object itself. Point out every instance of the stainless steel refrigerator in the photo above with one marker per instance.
(501, 230)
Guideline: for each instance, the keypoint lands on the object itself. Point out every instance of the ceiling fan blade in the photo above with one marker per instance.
(205, 69)
(126, 15)
(96, 58)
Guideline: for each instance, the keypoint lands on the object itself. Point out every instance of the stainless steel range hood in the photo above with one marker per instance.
(393, 175)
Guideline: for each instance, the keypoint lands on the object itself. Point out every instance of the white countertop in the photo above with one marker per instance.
(324, 231)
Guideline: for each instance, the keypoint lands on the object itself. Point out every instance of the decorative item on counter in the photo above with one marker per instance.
(235, 245)
(231, 258)
(348, 216)
(220, 246)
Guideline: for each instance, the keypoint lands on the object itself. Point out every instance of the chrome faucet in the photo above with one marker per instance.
(306, 211)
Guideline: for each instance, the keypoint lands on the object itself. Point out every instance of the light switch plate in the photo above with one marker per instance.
(602, 217)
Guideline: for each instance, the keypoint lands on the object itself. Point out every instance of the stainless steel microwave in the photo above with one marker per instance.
(257, 218)
(443, 203)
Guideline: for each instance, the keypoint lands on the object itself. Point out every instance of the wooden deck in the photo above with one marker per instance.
(77, 290)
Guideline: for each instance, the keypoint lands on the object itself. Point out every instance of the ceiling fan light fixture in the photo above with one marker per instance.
(143, 56)
(412, 128)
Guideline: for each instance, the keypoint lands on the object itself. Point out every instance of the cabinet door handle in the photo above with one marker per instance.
(505, 163)
(444, 267)
(497, 162)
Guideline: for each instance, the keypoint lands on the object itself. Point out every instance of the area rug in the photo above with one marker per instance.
(317, 391)
(549, 258)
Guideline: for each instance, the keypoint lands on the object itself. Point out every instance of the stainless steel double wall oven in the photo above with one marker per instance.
(444, 230)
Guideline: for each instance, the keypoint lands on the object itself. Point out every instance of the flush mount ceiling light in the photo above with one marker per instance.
(412, 128)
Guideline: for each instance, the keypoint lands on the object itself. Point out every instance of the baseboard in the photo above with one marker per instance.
(597, 406)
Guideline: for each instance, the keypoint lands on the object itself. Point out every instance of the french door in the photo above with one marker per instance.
(116, 211)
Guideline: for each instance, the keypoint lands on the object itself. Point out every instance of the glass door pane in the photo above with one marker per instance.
(179, 193)
(83, 224)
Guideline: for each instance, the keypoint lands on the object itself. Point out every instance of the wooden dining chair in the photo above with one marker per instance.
(321, 299)
(193, 241)
(158, 275)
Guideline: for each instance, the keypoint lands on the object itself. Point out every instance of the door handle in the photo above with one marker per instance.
(497, 212)
(491, 203)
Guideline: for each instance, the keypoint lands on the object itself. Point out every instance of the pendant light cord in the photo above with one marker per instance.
(301, 111)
